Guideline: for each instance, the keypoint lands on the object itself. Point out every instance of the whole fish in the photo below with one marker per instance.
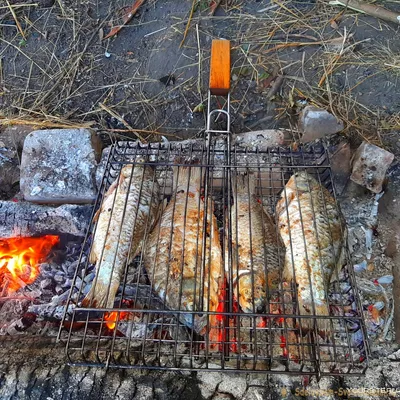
(130, 204)
(313, 231)
(179, 269)
(257, 252)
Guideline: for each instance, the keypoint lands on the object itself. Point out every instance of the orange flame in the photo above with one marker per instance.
(112, 317)
(19, 259)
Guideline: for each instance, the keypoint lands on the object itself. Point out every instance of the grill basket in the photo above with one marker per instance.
(141, 332)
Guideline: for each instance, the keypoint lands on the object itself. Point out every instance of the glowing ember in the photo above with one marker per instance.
(19, 259)
(112, 317)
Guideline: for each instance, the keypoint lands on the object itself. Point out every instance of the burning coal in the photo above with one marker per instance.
(19, 260)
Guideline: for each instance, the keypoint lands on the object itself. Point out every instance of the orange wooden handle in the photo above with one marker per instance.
(220, 67)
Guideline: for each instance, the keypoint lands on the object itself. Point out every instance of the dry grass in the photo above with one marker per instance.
(265, 44)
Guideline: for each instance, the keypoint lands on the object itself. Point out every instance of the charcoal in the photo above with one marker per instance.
(71, 269)
(89, 277)
(20, 325)
(46, 283)
(78, 282)
(48, 310)
(59, 289)
(27, 219)
(67, 283)
(59, 278)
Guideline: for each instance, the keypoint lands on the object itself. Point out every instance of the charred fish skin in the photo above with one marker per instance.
(174, 261)
(313, 231)
(256, 248)
(130, 204)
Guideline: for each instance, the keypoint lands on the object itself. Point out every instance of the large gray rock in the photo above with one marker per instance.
(315, 123)
(234, 385)
(27, 219)
(370, 165)
(58, 166)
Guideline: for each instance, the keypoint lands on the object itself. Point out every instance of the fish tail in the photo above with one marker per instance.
(188, 175)
(101, 295)
(243, 184)
(323, 325)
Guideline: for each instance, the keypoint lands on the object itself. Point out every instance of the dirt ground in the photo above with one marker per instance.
(62, 70)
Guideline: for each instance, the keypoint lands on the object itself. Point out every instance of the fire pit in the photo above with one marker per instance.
(140, 331)
(35, 277)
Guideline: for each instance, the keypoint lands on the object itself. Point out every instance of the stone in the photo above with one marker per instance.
(46, 283)
(263, 139)
(236, 387)
(315, 123)
(101, 166)
(13, 136)
(58, 166)
(370, 165)
(222, 396)
(341, 166)
(208, 383)
(9, 172)
(257, 393)
(27, 219)
(144, 392)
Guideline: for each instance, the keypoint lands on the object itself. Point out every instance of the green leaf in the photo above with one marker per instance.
(199, 108)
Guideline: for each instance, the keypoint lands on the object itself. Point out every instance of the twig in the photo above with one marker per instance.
(292, 44)
(20, 5)
(188, 23)
(268, 118)
(158, 30)
(199, 64)
(387, 324)
(390, 318)
(120, 119)
(16, 19)
(369, 9)
(275, 87)
(127, 18)
(44, 123)
(150, 132)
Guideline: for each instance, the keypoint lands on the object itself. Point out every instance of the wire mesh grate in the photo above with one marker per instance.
(220, 311)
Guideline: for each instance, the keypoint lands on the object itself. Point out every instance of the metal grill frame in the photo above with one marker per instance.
(92, 345)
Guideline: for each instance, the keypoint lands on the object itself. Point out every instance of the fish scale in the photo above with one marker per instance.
(130, 204)
(174, 259)
(313, 231)
(255, 246)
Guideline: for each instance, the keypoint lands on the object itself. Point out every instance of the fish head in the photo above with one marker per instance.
(252, 293)
(302, 181)
(189, 302)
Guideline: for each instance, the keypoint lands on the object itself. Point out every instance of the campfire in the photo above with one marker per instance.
(20, 258)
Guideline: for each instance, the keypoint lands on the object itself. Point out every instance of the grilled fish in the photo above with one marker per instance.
(255, 247)
(179, 269)
(313, 231)
(130, 204)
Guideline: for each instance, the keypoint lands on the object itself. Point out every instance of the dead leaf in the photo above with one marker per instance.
(334, 25)
(214, 4)
(126, 14)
